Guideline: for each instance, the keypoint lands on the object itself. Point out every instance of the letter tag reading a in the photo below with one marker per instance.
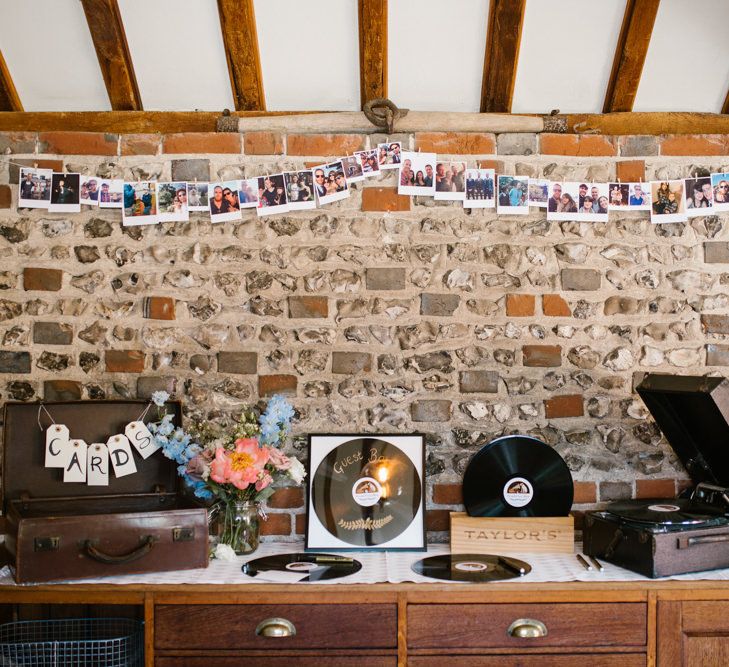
(97, 470)
(56, 440)
(120, 455)
(141, 438)
(74, 469)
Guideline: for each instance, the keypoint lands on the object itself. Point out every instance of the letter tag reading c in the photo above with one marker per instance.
(56, 440)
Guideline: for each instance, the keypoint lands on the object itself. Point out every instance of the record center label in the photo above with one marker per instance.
(301, 566)
(366, 491)
(471, 566)
(518, 492)
(664, 508)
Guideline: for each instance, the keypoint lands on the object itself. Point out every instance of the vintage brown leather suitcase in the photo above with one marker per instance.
(60, 530)
(693, 414)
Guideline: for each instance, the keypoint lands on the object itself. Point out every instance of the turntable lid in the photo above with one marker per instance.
(693, 413)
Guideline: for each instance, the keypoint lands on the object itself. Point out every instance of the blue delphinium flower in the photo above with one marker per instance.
(276, 420)
(159, 398)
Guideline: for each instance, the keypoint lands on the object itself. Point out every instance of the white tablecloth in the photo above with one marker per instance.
(381, 567)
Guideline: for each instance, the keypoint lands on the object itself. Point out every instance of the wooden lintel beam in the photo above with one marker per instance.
(240, 37)
(630, 53)
(372, 49)
(110, 41)
(503, 38)
(9, 100)
(653, 123)
(122, 122)
(165, 122)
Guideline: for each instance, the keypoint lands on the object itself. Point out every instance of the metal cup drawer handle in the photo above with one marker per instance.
(276, 627)
(527, 628)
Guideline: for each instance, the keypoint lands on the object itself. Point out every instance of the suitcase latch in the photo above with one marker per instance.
(46, 543)
(183, 534)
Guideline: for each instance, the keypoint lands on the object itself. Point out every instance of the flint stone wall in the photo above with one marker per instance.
(377, 313)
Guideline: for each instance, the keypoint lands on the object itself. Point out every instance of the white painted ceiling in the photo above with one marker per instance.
(310, 55)
(690, 60)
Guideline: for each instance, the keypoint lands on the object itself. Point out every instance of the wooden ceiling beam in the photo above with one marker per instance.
(112, 50)
(630, 54)
(9, 100)
(372, 49)
(240, 37)
(506, 18)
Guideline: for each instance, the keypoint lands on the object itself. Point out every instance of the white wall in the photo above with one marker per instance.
(51, 58)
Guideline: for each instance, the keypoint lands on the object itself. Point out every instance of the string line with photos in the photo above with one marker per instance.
(419, 174)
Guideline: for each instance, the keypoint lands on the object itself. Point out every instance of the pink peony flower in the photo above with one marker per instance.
(240, 467)
(264, 481)
(279, 460)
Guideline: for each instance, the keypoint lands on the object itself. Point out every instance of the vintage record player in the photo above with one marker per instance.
(659, 537)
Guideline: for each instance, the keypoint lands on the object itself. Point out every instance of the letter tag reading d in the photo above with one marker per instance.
(97, 469)
(141, 438)
(74, 469)
(120, 455)
(56, 440)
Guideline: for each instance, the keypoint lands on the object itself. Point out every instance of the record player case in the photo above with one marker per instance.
(693, 413)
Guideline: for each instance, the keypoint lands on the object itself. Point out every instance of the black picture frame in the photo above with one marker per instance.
(412, 537)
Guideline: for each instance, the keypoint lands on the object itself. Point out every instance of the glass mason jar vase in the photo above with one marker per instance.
(238, 525)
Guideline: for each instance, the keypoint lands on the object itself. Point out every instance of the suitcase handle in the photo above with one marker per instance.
(136, 554)
(684, 543)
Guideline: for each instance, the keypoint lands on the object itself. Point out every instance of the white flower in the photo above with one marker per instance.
(224, 552)
(297, 472)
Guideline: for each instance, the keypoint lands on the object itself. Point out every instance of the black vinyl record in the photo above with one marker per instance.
(471, 567)
(366, 491)
(675, 511)
(319, 566)
(517, 475)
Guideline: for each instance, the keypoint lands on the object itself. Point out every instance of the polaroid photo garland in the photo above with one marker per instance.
(422, 174)
(90, 464)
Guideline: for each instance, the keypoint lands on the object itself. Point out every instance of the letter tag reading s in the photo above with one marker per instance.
(74, 469)
(141, 438)
(97, 465)
(120, 455)
(56, 440)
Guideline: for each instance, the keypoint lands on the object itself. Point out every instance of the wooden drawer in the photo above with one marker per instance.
(290, 661)
(526, 660)
(486, 625)
(234, 626)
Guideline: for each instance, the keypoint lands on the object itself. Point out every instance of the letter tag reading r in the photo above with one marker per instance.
(97, 472)
(141, 438)
(56, 440)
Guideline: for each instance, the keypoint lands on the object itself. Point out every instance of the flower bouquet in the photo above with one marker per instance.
(236, 468)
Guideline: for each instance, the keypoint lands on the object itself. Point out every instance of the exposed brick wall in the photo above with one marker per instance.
(378, 313)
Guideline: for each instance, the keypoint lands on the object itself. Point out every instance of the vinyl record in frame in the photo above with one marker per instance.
(366, 491)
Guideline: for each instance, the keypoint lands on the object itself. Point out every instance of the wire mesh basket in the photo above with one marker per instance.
(77, 642)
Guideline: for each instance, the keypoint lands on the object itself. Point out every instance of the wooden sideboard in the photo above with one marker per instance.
(422, 625)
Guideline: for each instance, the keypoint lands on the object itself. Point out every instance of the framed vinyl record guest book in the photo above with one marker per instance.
(366, 492)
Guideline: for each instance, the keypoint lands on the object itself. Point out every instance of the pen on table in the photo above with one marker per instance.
(510, 565)
(598, 565)
(583, 562)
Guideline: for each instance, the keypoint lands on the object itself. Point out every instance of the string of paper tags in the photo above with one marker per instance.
(90, 464)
